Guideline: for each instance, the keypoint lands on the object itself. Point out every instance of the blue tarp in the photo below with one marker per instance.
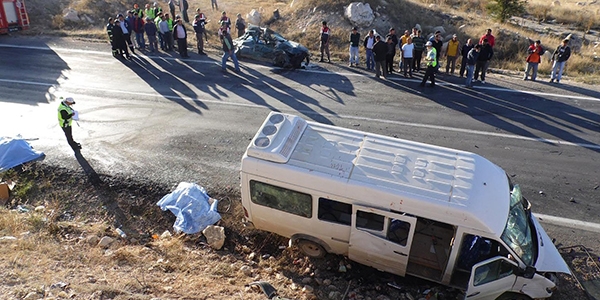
(16, 151)
(189, 203)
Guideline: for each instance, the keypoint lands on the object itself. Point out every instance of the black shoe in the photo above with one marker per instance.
(321, 60)
(431, 85)
(421, 84)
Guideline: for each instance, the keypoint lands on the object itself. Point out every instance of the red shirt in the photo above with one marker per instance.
(491, 39)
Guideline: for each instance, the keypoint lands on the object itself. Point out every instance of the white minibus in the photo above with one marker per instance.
(402, 207)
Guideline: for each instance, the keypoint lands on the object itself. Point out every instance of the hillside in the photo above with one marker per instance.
(300, 21)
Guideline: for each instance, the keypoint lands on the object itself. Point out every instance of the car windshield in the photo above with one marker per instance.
(517, 234)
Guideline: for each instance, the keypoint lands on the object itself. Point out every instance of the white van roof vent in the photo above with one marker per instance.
(277, 137)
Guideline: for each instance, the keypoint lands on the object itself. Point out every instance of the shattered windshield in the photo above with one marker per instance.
(517, 233)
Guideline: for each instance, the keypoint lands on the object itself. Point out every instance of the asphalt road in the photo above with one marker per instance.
(169, 120)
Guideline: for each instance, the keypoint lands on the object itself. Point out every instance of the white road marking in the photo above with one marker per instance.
(310, 112)
(570, 223)
(498, 89)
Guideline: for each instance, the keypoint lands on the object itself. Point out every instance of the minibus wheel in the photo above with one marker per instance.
(513, 296)
(311, 249)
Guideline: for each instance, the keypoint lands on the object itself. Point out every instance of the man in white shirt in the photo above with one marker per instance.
(407, 55)
(180, 34)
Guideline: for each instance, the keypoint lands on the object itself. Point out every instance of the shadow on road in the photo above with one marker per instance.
(28, 90)
(521, 114)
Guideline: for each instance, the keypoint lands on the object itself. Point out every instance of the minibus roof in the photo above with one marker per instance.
(452, 186)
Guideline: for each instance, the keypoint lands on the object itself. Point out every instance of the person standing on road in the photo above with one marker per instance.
(150, 29)
(464, 52)
(486, 52)
(407, 56)
(533, 59)
(389, 59)
(126, 28)
(149, 12)
(470, 61)
(119, 40)
(452, 54)
(161, 40)
(401, 42)
(199, 30)
(559, 58)
(240, 25)
(65, 118)
(419, 42)
(380, 50)
(228, 48)
(368, 43)
(489, 37)
(354, 41)
(431, 59)
(109, 31)
(324, 44)
(163, 27)
(225, 20)
(437, 44)
(180, 35)
(138, 28)
(157, 9)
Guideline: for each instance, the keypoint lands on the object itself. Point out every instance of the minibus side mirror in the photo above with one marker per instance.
(529, 272)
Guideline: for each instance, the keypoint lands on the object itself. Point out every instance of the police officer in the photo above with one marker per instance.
(65, 118)
(109, 31)
(432, 64)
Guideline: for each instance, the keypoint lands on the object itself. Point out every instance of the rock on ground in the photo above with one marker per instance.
(253, 17)
(215, 236)
(105, 241)
(70, 15)
(359, 14)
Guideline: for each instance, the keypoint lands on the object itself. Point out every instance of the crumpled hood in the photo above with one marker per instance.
(549, 259)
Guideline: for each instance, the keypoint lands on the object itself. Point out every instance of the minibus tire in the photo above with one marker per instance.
(513, 296)
(311, 249)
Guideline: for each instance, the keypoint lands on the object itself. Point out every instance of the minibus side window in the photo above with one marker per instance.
(493, 271)
(335, 211)
(279, 198)
(398, 231)
(370, 221)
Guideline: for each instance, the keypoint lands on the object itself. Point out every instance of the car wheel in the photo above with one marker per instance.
(311, 249)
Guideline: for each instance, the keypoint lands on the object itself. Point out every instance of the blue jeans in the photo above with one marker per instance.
(470, 69)
(354, 55)
(370, 59)
(557, 70)
(233, 57)
(139, 37)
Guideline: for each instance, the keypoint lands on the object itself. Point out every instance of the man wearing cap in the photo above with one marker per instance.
(180, 35)
(65, 118)
(533, 59)
(380, 50)
(559, 58)
(452, 54)
(431, 59)
(354, 40)
(324, 44)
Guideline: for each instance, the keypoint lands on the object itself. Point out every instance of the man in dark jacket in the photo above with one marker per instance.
(380, 50)
(180, 35)
(483, 61)
(465, 51)
(470, 60)
(419, 42)
(354, 42)
(150, 29)
(109, 31)
(198, 24)
(138, 28)
(437, 44)
(389, 59)
(368, 43)
(119, 40)
(560, 57)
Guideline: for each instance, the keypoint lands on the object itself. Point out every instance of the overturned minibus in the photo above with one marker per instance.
(403, 207)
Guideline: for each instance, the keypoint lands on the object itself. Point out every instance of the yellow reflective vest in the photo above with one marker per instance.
(64, 122)
(432, 57)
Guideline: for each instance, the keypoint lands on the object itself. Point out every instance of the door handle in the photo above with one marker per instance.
(403, 254)
(474, 294)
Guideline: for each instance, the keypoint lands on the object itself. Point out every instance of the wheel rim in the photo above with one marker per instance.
(311, 249)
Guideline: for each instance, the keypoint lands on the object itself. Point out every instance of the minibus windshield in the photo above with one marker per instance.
(517, 233)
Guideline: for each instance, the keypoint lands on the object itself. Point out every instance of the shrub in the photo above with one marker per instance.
(503, 10)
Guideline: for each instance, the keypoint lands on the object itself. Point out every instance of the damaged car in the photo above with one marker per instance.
(267, 45)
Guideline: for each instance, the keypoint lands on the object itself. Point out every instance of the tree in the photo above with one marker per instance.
(502, 10)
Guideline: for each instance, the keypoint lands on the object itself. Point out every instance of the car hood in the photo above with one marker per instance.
(549, 260)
